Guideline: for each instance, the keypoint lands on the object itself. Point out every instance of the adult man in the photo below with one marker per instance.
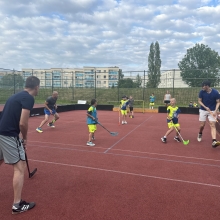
(50, 109)
(14, 119)
(209, 102)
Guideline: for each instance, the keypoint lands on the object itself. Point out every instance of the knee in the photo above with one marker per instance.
(20, 167)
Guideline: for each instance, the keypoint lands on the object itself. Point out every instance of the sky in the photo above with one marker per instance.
(103, 33)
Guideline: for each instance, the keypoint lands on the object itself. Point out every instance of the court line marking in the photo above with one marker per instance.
(128, 173)
(141, 152)
(127, 134)
(133, 156)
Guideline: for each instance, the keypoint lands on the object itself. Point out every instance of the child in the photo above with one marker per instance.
(191, 104)
(92, 121)
(131, 107)
(195, 105)
(152, 100)
(123, 105)
(172, 120)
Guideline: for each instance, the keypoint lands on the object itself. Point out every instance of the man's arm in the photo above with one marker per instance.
(23, 124)
(201, 103)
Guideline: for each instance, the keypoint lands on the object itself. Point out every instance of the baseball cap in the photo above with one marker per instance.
(206, 83)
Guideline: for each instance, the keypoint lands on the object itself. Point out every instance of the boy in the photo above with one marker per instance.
(123, 105)
(131, 107)
(172, 120)
(92, 121)
(152, 100)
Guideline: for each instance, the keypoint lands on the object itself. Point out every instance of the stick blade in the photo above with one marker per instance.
(114, 133)
(186, 142)
(32, 173)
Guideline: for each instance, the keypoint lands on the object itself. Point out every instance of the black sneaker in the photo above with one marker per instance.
(215, 144)
(23, 207)
(177, 139)
(163, 139)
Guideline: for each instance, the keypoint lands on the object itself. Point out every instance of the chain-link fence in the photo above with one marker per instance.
(106, 87)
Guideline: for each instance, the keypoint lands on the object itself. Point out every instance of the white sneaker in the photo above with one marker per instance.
(122, 122)
(199, 138)
(125, 122)
(89, 143)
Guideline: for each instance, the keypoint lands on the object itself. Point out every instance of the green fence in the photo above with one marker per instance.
(105, 90)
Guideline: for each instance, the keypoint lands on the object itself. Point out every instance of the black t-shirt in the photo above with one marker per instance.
(10, 117)
(51, 102)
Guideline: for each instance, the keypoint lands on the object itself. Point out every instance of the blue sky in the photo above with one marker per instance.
(72, 33)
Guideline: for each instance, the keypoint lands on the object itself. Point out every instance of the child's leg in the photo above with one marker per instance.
(178, 128)
(90, 136)
(169, 131)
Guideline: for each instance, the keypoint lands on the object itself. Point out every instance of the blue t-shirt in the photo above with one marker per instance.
(92, 111)
(209, 99)
(152, 99)
(10, 117)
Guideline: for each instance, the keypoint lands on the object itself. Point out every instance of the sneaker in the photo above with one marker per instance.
(39, 130)
(51, 125)
(125, 122)
(163, 139)
(215, 144)
(122, 122)
(89, 143)
(23, 207)
(199, 138)
(177, 139)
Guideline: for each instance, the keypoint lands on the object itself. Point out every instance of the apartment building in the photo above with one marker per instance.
(103, 77)
(172, 78)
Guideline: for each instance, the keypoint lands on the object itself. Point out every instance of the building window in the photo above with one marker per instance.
(104, 76)
(98, 82)
(104, 71)
(104, 82)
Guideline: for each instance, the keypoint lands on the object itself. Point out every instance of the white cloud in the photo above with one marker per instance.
(72, 33)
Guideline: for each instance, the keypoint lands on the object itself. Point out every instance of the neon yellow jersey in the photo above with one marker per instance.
(124, 104)
(173, 113)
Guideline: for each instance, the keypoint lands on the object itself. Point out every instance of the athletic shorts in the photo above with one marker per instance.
(204, 114)
(92, 128)
(170, 125)
(47, 112)
(11, 149)
(124, 112)
(131, 109)
(151, 103)
(167, 101)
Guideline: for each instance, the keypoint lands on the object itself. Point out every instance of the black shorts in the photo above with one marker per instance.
(131, 109)
(167, 101)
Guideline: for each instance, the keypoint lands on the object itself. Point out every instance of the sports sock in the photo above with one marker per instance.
(213, 140)
(165, 136)
(16, 204)
(200, 132)
(53, 121)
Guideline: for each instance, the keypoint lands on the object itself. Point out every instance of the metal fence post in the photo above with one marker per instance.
(118, 83)
(95, 84)
(52, 81)
(173, 81)
(14, 79)
(144, 86)
(72, 87)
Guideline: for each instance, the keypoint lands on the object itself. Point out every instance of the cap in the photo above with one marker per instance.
(206, 83)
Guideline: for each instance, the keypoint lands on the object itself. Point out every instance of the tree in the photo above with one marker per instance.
(154, 64)
(126, 83)
(200, 63)
(138, 81)
(12, 80)
(121, 75)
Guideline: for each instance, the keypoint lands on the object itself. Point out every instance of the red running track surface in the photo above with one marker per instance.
(132, 176)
